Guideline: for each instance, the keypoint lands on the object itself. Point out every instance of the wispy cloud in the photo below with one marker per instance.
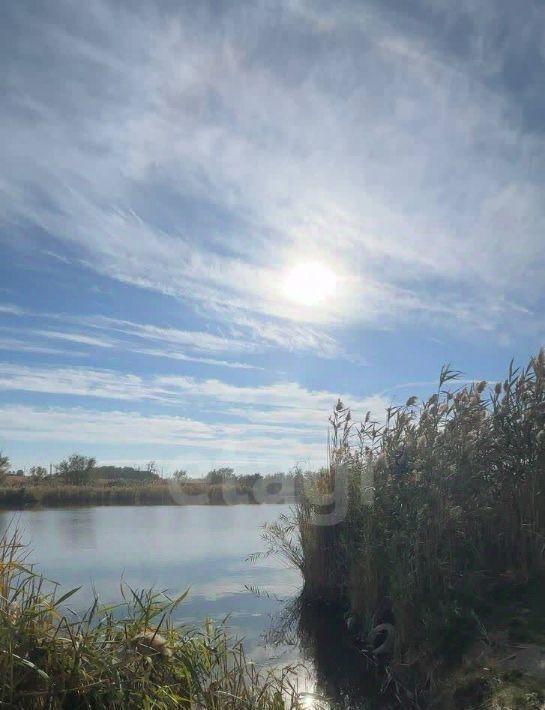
(281, 334)
(14, 345)
(242, 335)
(202, 341)
(57, 257)
(176, 355)
(208, 394)
(227, 442)
(246, 335)
(11, 309)
(270, 426)
(80, 338)
(80, 382)
(407, 193)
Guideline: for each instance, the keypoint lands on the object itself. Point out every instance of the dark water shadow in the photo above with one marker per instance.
(345, 675)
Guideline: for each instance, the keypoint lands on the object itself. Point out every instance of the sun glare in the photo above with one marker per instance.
(310, 283)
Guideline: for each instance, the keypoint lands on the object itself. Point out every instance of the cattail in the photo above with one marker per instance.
(411, 401)
(497, 388)
(481, 386)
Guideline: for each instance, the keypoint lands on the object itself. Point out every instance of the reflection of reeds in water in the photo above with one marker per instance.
(344, 674)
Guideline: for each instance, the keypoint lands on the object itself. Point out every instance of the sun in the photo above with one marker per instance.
(310, 283)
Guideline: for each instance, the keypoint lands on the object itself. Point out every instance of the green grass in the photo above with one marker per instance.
(52, 659)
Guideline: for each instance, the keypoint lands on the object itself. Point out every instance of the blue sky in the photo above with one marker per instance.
(170, 169)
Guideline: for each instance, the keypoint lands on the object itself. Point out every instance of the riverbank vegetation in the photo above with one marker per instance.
(128, 656)
(77, 480)
(445, 515)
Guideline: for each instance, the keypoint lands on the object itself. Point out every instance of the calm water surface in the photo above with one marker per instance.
(205, 548)
(167, 548)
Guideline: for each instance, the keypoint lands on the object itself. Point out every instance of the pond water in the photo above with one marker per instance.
(204, 548)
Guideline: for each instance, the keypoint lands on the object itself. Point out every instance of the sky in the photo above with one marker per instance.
(216, 218)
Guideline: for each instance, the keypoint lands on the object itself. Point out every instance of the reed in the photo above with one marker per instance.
(446, 504)
(125, 656)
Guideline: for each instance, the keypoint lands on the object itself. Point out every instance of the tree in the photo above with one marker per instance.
(250, 479)
(180, 475)
(76, 469)
(152, 469)
(38, 473)
(4, 466)
(220, 475)
(123, 473)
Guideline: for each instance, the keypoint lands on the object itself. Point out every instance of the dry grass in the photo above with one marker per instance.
(57, 494)
(446, 502)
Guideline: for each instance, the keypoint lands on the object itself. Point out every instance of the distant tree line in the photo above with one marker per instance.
(79, 470)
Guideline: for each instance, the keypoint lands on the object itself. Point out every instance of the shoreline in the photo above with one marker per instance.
(42, 497)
